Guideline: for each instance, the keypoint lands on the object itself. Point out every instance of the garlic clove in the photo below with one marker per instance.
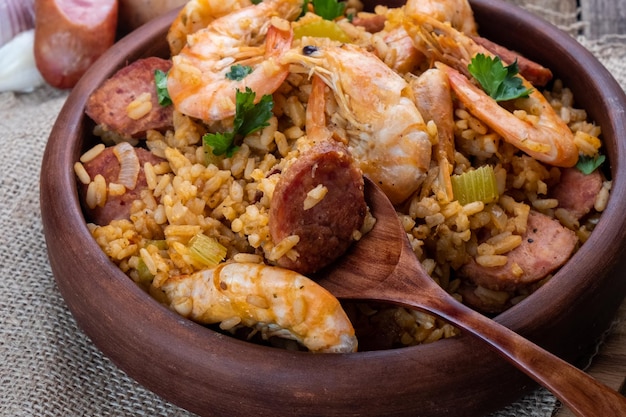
(18, 71)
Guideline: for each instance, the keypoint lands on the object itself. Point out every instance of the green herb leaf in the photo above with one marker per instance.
(220, 143)
(587, 164)
(500, 82)
(250, 117)
(160, 78)
(329, 9)
(238, 72)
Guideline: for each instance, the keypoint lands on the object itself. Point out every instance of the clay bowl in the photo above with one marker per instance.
(212, 374)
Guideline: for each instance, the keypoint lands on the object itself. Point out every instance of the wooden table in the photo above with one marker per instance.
(598, 17)
(604, 16)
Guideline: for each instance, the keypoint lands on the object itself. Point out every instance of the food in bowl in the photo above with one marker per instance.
(385, 94)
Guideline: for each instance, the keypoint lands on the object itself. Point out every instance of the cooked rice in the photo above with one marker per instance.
(230, 202)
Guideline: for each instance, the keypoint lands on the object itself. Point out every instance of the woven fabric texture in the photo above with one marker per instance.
(48, 367)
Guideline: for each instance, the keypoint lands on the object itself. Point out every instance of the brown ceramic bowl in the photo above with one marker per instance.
(212, 374)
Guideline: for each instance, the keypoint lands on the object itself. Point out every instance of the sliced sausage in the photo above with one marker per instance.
(116, 206)
(108, 106)
(326, 229)
(535, 73)
(372, 23)
(577, 191)
(70, 35)
(545, 246)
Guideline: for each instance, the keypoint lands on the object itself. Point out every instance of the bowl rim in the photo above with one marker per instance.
(304, 385)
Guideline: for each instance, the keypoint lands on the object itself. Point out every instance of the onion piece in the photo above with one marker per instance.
(18, 71)
(129, 165)
(16, 16)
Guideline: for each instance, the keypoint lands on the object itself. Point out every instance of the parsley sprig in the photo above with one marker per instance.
(328, 9)
(249, 118)
(500, 82)
(238, 72)
(587, 164)
(160, 78)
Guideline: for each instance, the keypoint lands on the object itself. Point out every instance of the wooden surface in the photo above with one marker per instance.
(604, 16)
(609, 365)
(593, 19)
(596, 17)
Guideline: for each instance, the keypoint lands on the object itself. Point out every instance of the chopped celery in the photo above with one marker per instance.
(143, 273)
(206, 250)
(160, 244)
(476, 185)
(321, 29)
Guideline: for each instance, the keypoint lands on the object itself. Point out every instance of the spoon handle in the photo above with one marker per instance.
(582, 394)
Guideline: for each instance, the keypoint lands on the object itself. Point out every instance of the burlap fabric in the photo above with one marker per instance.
(48, 367)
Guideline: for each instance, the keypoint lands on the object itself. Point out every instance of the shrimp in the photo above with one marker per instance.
(457, 12)
(196, 15)
(282, 301)
(255, 36)
(434, 101)
(542, 135)
(399, 52)
(386, 133)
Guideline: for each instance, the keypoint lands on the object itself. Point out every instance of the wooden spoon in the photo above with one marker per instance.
(383, 267)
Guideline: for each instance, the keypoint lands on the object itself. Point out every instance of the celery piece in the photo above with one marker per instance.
(160, 244)
(206, 250)
(322, 29)
(476, 185)
(143, 272)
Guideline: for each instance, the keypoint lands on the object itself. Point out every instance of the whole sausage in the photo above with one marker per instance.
(70, 35)
(326, 229)
(545, 246)
(108, 106)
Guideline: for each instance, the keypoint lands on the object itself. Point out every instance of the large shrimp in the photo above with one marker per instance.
(196, 15)
(543, 135)
(254, 36)
(456, 12)
(386, 133)
(279, 301)
(399, 52)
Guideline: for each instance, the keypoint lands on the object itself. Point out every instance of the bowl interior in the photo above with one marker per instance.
(217, 375)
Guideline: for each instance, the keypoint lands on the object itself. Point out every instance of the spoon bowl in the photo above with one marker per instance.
(382, 267)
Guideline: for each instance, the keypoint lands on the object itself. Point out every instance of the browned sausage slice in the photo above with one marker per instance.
(109, 104)
(545, 246)
(116, 206)
(325, 229)
(577, 191)
(372, 23)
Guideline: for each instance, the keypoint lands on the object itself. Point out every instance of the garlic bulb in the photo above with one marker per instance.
(18, 71)
(16, 16)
